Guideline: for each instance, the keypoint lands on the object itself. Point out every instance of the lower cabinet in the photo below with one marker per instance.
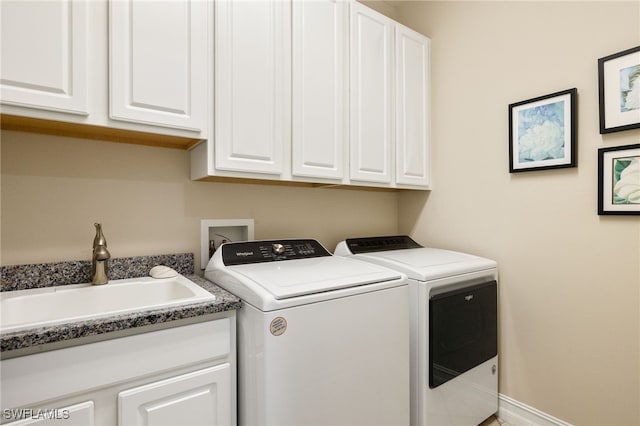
(183, 375)
(198, 398)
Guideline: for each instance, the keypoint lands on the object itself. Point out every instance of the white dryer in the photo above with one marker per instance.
(322, 340)
(453, 303)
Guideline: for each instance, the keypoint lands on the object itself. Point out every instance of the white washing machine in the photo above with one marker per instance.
(453, 303)
(322, 340)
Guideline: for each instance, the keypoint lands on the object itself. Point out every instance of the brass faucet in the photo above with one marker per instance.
(100, 257)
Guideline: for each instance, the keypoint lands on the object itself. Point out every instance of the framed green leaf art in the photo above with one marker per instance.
(619, 91)
(619, 180)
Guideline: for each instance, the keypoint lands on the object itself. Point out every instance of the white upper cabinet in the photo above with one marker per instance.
(44, 55)
(252, 100)
(321, 91)
(158, 56)
(390, 128)
(412, 108)
(131, 65)
(319, 84)
(371, 95)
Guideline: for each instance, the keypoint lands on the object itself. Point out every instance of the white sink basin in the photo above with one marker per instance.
(24, 309)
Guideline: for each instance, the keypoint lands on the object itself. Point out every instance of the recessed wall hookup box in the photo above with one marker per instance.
(215, 232)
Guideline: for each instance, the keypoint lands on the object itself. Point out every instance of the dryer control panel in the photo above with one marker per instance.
(371, 244)
(270, 251)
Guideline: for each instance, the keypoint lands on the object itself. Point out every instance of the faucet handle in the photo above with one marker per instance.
(101, 253)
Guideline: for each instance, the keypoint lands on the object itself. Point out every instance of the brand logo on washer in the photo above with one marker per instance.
(244, 253)
(278, 326)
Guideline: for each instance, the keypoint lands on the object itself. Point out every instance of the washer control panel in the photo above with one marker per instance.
(243, 253)
(371, 244)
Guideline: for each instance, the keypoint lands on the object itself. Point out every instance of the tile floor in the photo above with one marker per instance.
(494, 421)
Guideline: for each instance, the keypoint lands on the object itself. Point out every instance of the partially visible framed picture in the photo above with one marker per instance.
(619, 180)
(619, 90)
(542, 132)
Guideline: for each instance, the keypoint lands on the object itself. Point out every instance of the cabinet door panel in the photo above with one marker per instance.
(319, 83)
(199, 398)
(371, 95)
(412, 108)
(158, 62)
(44, 55)
(252, 85)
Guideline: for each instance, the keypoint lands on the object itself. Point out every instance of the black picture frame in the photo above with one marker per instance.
(619, 91)
(619, 180)
(542, 132)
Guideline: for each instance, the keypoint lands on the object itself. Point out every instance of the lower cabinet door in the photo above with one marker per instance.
(202, 397)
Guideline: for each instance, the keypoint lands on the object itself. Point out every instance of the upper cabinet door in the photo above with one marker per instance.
(412, 108)
(371, 95)
(252, 101)
(44, 54)
(158, 55)
(319, 113)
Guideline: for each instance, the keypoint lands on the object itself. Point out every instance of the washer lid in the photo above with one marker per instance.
(292, 278)
(425, 264)
(403, 254)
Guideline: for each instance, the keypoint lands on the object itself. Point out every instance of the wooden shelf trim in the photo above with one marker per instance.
(86, 131)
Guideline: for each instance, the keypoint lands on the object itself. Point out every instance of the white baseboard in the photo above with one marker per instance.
(516, 413)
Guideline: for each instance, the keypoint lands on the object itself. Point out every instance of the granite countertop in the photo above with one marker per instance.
(62, 273)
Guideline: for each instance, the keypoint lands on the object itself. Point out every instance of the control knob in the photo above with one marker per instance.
(277, 248)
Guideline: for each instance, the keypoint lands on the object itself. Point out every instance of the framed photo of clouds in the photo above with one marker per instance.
(542, 132)
(619, 90)
(619, 180)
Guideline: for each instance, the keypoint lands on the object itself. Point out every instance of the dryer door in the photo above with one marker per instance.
(463, 331)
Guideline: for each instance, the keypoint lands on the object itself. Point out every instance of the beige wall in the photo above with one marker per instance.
(54, 189)
(569, 279)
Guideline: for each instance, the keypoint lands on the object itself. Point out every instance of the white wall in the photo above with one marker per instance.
(569, 279)
(55, 188)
